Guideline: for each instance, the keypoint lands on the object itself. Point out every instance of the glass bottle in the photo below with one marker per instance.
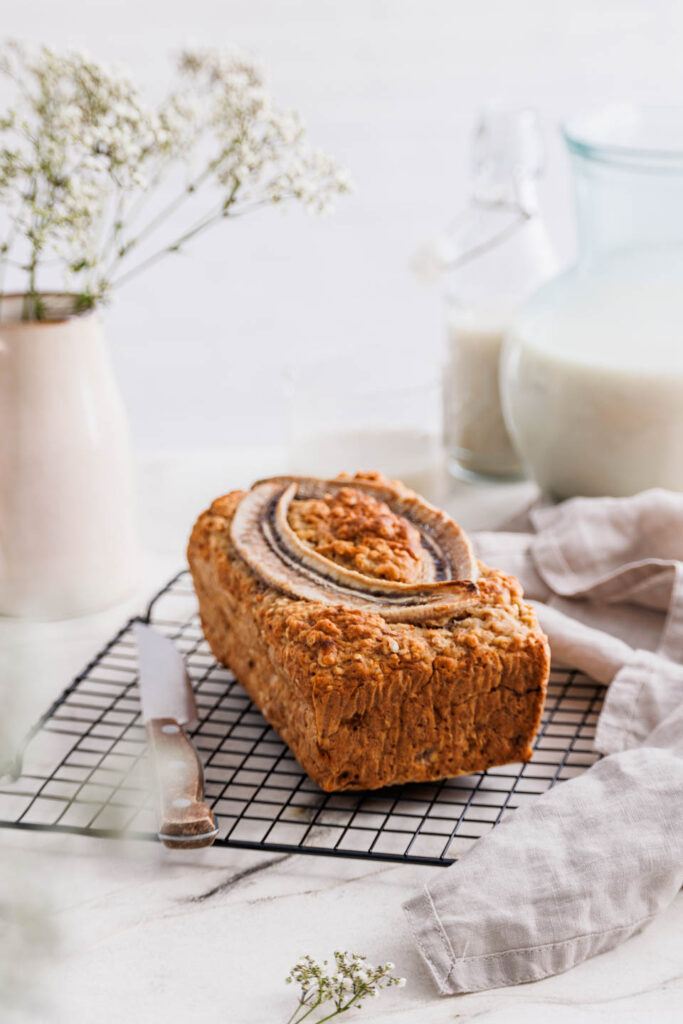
(494, 255)
(593, 368)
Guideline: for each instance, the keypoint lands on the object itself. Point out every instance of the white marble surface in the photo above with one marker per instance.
(100, 930)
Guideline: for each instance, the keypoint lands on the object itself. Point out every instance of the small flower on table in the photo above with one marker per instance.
(334, 989)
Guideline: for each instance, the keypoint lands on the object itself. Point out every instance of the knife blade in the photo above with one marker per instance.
(168, 703)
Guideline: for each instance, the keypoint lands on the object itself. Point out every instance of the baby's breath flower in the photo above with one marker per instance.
(82, 149)
(346, 984)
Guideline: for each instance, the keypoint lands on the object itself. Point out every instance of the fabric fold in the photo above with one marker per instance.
(593, 860)
(587, 865)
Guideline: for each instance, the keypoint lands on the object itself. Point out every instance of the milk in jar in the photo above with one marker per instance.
(595, 394)
(492, 257)
(593, 366)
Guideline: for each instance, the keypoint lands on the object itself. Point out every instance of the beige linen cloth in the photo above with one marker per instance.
(592, 861)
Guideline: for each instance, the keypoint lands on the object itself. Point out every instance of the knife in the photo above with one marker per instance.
(167, 704)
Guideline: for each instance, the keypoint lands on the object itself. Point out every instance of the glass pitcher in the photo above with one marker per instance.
(592, 373)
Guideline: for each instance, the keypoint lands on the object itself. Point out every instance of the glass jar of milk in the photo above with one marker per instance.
(594, 365)
(494, 256)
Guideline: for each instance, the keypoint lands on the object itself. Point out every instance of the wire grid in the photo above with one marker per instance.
(86, 771)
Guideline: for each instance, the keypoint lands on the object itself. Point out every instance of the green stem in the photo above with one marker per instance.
(29, 303)
(4, 261)
(155, 257)
(298, 1009)
(340, 1009)
(112, 238)
(312, 1007)
(308, 1012)
(170, 208)
(143, 199)
(31, 310)
(198, 228)
(257, 204)
(136, 207)
(189, 190)
(293, 1015)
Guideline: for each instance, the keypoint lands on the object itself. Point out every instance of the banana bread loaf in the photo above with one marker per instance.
(359, 622)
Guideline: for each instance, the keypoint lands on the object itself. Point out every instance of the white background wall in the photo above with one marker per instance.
(389, 86)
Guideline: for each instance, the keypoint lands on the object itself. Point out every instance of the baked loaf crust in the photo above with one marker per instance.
(363, 696)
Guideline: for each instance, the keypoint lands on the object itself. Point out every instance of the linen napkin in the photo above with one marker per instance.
(595, 859)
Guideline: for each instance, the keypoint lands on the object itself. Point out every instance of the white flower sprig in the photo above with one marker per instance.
(344, 984)
(82, 154)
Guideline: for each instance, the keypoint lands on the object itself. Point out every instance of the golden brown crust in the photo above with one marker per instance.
(359, 532)
(363, 702)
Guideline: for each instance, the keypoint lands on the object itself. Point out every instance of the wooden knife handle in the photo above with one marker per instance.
(185, 821)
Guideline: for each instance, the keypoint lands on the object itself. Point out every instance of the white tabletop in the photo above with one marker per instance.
(111, 931)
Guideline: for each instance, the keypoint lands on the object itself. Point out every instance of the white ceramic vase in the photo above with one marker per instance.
(67, 533)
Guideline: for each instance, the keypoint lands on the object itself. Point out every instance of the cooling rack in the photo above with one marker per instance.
(85, 769)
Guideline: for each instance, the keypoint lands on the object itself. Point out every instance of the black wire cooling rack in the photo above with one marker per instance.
(85, 769)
